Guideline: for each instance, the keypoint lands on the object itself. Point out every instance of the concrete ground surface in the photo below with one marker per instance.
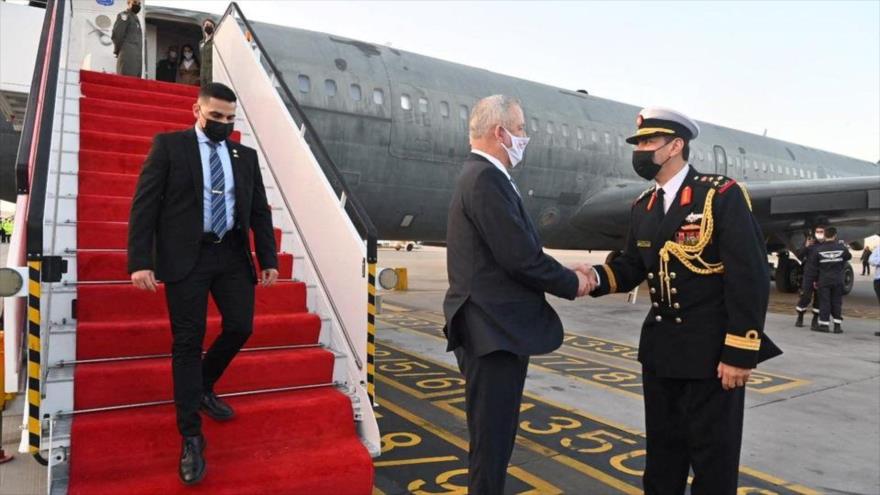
(812, 421)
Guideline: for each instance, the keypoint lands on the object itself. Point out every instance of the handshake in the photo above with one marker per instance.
(587, 280)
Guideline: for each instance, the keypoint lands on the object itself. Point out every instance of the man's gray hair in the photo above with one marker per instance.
(491, 111)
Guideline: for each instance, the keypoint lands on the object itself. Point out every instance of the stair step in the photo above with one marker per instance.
(114, 93)
(108, 384)
(114, 235)
(144, 337)
(130, 305)
(107, 184)
(128, 125)
(181, 115)
(285, 442)
(110, 162)
(87, 76)
(108, 266)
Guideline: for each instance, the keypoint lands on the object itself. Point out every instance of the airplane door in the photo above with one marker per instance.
(720, 160)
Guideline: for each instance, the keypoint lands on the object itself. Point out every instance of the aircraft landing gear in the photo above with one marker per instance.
(788, 273)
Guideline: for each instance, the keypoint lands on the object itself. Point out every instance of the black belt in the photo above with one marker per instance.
(212, 238)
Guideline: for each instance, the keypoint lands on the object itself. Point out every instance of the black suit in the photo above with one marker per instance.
(698, 317)
(496, 312)
(166, 234)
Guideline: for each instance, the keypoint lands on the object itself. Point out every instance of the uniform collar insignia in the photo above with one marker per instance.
(234, 153)
(693, 217)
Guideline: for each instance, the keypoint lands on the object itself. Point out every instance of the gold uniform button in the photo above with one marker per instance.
(650, 276)
(674, 290)
(653, 290)
(676, 305)
(656, 305)
(671, 274)
(678, 320)
(658, 318)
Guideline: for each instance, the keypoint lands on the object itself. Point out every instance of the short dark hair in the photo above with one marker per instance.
(830, 232)
(686, 150)
(217, 90)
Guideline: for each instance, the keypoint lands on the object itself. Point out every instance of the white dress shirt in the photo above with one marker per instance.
(670, 189)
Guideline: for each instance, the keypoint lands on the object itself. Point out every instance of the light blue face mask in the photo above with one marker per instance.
(517, 148)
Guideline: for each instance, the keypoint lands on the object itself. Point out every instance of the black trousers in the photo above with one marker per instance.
(691, 424)
(831, 304)
(223, 271)
(808, 296)
(493, 393)
(877, 288)
(866, 268)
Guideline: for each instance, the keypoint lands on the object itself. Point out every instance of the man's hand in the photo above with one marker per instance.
(269, 277)
(144, 279)
(586, 279)
(732, 377)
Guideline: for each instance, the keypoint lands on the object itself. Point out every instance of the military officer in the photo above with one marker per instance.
(830, 259)
(128, 41)
(693, 237)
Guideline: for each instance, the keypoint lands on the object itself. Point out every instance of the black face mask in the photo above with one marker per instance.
(217, 131)
(209, 30)
(135, 8)
(644, 165)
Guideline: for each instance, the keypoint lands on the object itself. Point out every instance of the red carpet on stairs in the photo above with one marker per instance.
(301, 441)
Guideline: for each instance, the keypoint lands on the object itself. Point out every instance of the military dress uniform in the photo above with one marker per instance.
(831, 258)
(706, 266)
(128, 42)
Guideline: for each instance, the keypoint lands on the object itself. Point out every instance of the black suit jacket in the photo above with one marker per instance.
(708, 317)
(498, 272)
(166, 222)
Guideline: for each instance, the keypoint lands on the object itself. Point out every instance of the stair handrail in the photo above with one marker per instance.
(352, 206)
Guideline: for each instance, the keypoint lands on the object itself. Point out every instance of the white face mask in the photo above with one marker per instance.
(820, 237)
(517, 148)
(187, 55)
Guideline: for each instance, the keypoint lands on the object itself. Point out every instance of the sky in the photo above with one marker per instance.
(807, 72)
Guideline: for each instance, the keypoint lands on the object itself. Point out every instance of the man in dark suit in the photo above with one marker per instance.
(198, 197)
(496, 313)
(695, 240)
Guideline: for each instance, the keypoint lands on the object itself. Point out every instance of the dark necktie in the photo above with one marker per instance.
(218, 192)
(660, 204)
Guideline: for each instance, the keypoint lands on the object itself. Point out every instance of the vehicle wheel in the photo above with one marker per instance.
(849, 278)
(786, 275)
(397, 248)
(409, 247)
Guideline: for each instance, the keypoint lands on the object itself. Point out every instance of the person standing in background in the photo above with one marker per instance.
(866, 264)
(188, 71)
(206, 52)
(128, 41)
(166, 69)
(875, 260)
(831, 259)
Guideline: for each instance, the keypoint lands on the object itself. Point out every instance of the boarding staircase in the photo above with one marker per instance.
(100, 410)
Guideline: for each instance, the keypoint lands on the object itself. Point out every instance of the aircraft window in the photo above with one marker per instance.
(423, 105)
(444, 109)
(608, 139)
(772, 167)
(763, 166)
(620, 141)
(330, 87)
(801, 173)
(549, 127)
(594, 136)
(355, 91)
(565, 130)
(755, 164)
(580, 134)
(787, 171)
(463, 112)
(534, 124)
(405, 102)
(305, 84)
(700, 155)
(378, 96)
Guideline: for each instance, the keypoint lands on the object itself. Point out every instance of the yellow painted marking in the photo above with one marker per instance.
(778, 481)
(409, 462)
(395, 308)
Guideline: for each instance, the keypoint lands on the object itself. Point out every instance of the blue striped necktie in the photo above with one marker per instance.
(218, 192)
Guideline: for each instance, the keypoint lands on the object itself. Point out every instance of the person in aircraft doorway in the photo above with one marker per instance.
(128, 41)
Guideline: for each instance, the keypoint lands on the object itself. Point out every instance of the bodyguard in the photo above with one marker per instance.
(128, 41)
(693, 237)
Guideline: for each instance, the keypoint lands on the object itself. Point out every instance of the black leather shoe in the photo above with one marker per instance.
(800, 320)
(216, 408)
(192, 461)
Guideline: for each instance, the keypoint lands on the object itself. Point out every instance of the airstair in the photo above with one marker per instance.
(92, 352)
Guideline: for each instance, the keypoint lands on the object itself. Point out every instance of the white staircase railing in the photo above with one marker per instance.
(329, 228)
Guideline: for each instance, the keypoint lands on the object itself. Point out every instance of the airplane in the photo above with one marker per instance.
(396, 125)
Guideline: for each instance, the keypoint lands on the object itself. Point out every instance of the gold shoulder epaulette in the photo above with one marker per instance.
(644, 194)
